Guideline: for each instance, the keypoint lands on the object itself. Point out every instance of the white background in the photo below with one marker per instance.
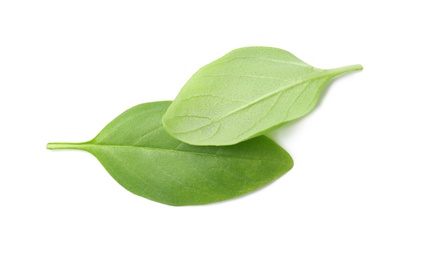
(357, 190)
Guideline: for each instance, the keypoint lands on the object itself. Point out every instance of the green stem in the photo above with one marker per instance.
(345, 69)
(61, 146)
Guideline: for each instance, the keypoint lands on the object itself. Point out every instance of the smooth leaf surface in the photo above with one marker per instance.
(135, 149)
(246, 93)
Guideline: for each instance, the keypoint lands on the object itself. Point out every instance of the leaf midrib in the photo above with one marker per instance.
(88, 146)
(280, 89)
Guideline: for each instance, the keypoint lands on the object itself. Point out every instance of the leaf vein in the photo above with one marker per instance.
(150, 132)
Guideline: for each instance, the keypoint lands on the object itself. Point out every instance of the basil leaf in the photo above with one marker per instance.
(144, 159)
(244, 94)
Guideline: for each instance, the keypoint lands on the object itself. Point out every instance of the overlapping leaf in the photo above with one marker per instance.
(245, 94)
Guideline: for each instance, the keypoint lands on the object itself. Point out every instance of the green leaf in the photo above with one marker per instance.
(135, 149)
(246, 93)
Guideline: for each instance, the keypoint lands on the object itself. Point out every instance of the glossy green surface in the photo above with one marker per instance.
(144, 159)
(244, 94)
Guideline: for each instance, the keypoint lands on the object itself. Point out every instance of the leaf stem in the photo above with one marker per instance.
(345, 69)
(62, 146)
